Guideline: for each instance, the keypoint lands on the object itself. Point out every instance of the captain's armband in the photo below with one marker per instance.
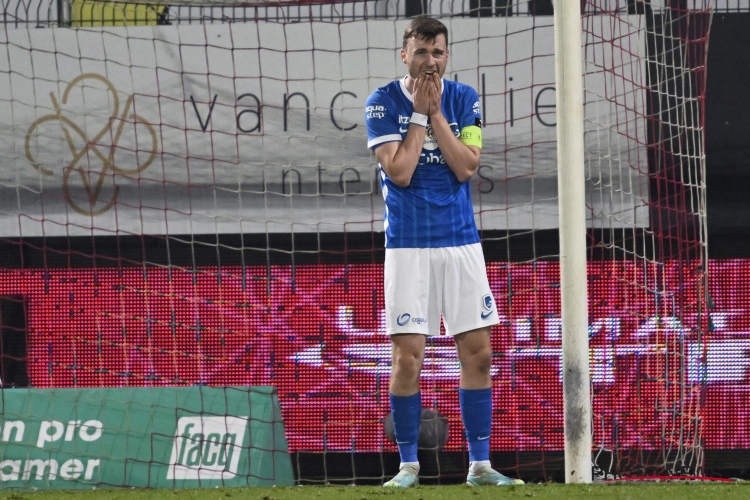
(471, 136)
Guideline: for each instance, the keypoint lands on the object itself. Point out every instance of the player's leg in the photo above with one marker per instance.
(475, 393)
(406, 404)
(475, 398)
(409, 318)
(407, 358)
(469, 313)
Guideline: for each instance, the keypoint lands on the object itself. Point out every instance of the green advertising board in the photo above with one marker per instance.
(176, 437)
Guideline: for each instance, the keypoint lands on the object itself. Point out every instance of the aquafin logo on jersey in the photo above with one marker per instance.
(375, 112)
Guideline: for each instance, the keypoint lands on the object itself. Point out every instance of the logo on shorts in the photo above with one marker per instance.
(406, 318)
(403, 319)
(488, 304)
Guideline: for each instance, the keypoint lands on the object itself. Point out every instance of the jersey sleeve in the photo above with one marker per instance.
(471, 119)
(381, 119)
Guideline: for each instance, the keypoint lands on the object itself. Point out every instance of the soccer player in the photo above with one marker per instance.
(426, 134)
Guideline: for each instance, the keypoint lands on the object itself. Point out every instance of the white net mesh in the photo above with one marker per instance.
(188, 200)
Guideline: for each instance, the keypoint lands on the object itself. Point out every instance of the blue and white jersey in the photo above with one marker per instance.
(435, 210)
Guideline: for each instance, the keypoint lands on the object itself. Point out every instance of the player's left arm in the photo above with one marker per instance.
(461, 154)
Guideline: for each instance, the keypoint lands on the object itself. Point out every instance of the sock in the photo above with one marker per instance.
(413, 465)
(476, 412)
(475, 466)
(407, 414)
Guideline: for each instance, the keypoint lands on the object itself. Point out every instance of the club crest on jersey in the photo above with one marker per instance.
(430, 143)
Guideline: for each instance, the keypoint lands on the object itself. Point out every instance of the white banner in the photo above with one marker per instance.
(259, 127)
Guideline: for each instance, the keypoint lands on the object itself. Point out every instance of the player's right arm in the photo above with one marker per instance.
(399, 159)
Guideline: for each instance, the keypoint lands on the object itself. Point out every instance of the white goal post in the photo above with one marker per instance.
(572, 212)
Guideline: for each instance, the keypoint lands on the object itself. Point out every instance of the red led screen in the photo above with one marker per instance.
(316, 333)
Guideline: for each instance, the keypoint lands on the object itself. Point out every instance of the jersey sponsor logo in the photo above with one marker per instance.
(477, 108)
(431, 158)
(403, 130)
(375, 112)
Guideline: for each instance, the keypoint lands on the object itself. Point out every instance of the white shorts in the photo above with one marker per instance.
(423, 283)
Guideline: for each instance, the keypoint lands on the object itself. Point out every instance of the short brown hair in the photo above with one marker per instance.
(425, 28)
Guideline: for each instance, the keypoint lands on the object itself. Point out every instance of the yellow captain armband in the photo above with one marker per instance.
(471, 136)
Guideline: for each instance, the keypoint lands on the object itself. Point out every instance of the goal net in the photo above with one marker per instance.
(188, 200)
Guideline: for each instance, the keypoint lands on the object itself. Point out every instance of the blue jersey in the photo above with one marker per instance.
(435, 209)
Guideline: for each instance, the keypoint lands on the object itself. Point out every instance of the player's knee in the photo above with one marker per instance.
(407, 366)
(484, 364)
(481, 362)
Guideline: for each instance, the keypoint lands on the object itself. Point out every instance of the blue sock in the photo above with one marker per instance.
(476, 412)
(407, 414)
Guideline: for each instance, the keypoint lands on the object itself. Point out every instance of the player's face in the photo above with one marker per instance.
(425, 56)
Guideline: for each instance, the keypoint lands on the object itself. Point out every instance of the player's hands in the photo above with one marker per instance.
(435, 97)
(427, 97)
(421, 95)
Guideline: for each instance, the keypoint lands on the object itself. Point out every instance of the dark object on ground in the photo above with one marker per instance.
(433, 429)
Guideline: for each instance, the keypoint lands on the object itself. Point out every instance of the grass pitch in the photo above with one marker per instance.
(550, 491)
